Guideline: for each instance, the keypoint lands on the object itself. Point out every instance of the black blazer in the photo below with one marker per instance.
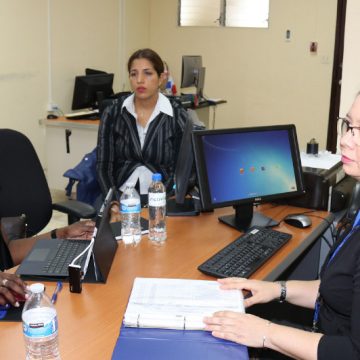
(339, 317)
(119, 150)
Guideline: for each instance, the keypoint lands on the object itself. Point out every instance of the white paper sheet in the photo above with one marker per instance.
(178, 303)
(324, 160)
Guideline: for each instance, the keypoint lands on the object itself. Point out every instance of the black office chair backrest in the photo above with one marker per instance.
(23, 186)
(113, 99)
(354, 203)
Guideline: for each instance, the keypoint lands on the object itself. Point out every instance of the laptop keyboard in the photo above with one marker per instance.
(246, 254)
(67, 251)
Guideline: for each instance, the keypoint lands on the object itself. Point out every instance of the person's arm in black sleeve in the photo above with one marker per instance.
(6, 261)
(337, 347)
(333, 347)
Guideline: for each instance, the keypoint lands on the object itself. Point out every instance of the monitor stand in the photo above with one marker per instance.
(245, 217)
(185, 209)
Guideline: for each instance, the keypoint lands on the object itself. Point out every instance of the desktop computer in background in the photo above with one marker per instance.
(246, 166)
(193, 75)
(90, 91)
(325, 188)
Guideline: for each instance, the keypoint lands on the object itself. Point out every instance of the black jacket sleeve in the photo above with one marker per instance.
(340, 312)
(5, 257)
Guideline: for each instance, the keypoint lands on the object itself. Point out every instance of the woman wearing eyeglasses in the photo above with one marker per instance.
(335, 298)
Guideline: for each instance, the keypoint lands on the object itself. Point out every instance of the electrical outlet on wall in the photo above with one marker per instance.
(288, 35)
(52, 107)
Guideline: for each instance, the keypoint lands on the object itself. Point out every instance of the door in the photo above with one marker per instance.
(336, 76)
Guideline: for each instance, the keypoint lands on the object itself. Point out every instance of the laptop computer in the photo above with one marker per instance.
(95, 262)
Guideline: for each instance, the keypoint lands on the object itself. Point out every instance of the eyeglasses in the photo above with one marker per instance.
(345, 127)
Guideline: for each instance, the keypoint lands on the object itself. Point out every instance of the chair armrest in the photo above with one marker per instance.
(76, 210)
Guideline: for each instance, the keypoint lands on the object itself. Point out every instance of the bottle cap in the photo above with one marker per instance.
(37, 288)
(156, 177)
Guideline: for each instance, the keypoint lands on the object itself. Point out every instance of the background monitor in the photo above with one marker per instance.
(246, 166)
(190, 70)
(90, 90)
(200, 83)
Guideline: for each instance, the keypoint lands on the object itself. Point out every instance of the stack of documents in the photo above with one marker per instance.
(156, 306)
(178, 303)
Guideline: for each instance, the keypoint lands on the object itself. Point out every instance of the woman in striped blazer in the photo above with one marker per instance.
(140, 134)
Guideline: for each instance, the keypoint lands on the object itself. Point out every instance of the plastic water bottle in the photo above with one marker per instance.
(168, 86)
(157, 209)
(40, 325)
(130, 208)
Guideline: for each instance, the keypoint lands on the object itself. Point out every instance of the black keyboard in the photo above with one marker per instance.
(67, 251)
(84, 117)
(246, 254)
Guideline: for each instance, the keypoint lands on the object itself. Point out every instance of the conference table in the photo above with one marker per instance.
(89, 322)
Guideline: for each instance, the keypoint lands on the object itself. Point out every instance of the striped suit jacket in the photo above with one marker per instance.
(119, 151)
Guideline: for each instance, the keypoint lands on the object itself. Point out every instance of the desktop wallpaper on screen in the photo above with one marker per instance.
(247, 165)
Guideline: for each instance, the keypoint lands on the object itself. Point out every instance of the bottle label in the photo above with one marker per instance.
(130, 206)
(37, 324)
(157, 199)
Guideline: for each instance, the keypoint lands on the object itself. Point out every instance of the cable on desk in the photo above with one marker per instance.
(214, 113)
(327, 241)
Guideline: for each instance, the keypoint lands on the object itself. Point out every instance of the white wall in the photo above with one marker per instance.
(265, 79)
(83, 33)
(135, 31)
(23, 66)
(351, 64)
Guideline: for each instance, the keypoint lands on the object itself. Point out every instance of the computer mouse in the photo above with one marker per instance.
(52, 116)
(298, 220)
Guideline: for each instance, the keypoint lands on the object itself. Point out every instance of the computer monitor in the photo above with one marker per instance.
(247, 166)
(181, 205)
(90, 90)
(190, 70)
(200, 83)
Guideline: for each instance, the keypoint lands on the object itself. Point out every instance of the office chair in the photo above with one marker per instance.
(113, 99)
(24, 189)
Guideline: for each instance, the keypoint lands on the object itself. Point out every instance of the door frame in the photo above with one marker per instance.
(336, 76)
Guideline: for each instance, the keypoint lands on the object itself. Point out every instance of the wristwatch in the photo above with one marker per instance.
(53, 234)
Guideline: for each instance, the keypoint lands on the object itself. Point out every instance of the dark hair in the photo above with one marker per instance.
(149, 55)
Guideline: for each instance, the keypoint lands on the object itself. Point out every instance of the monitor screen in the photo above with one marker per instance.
(90, 90)
(246, 166)
(190, 70)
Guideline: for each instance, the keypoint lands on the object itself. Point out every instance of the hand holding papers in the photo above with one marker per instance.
(177, 303)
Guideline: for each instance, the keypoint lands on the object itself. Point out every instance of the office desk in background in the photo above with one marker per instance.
(67, 141)
(89, 322)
